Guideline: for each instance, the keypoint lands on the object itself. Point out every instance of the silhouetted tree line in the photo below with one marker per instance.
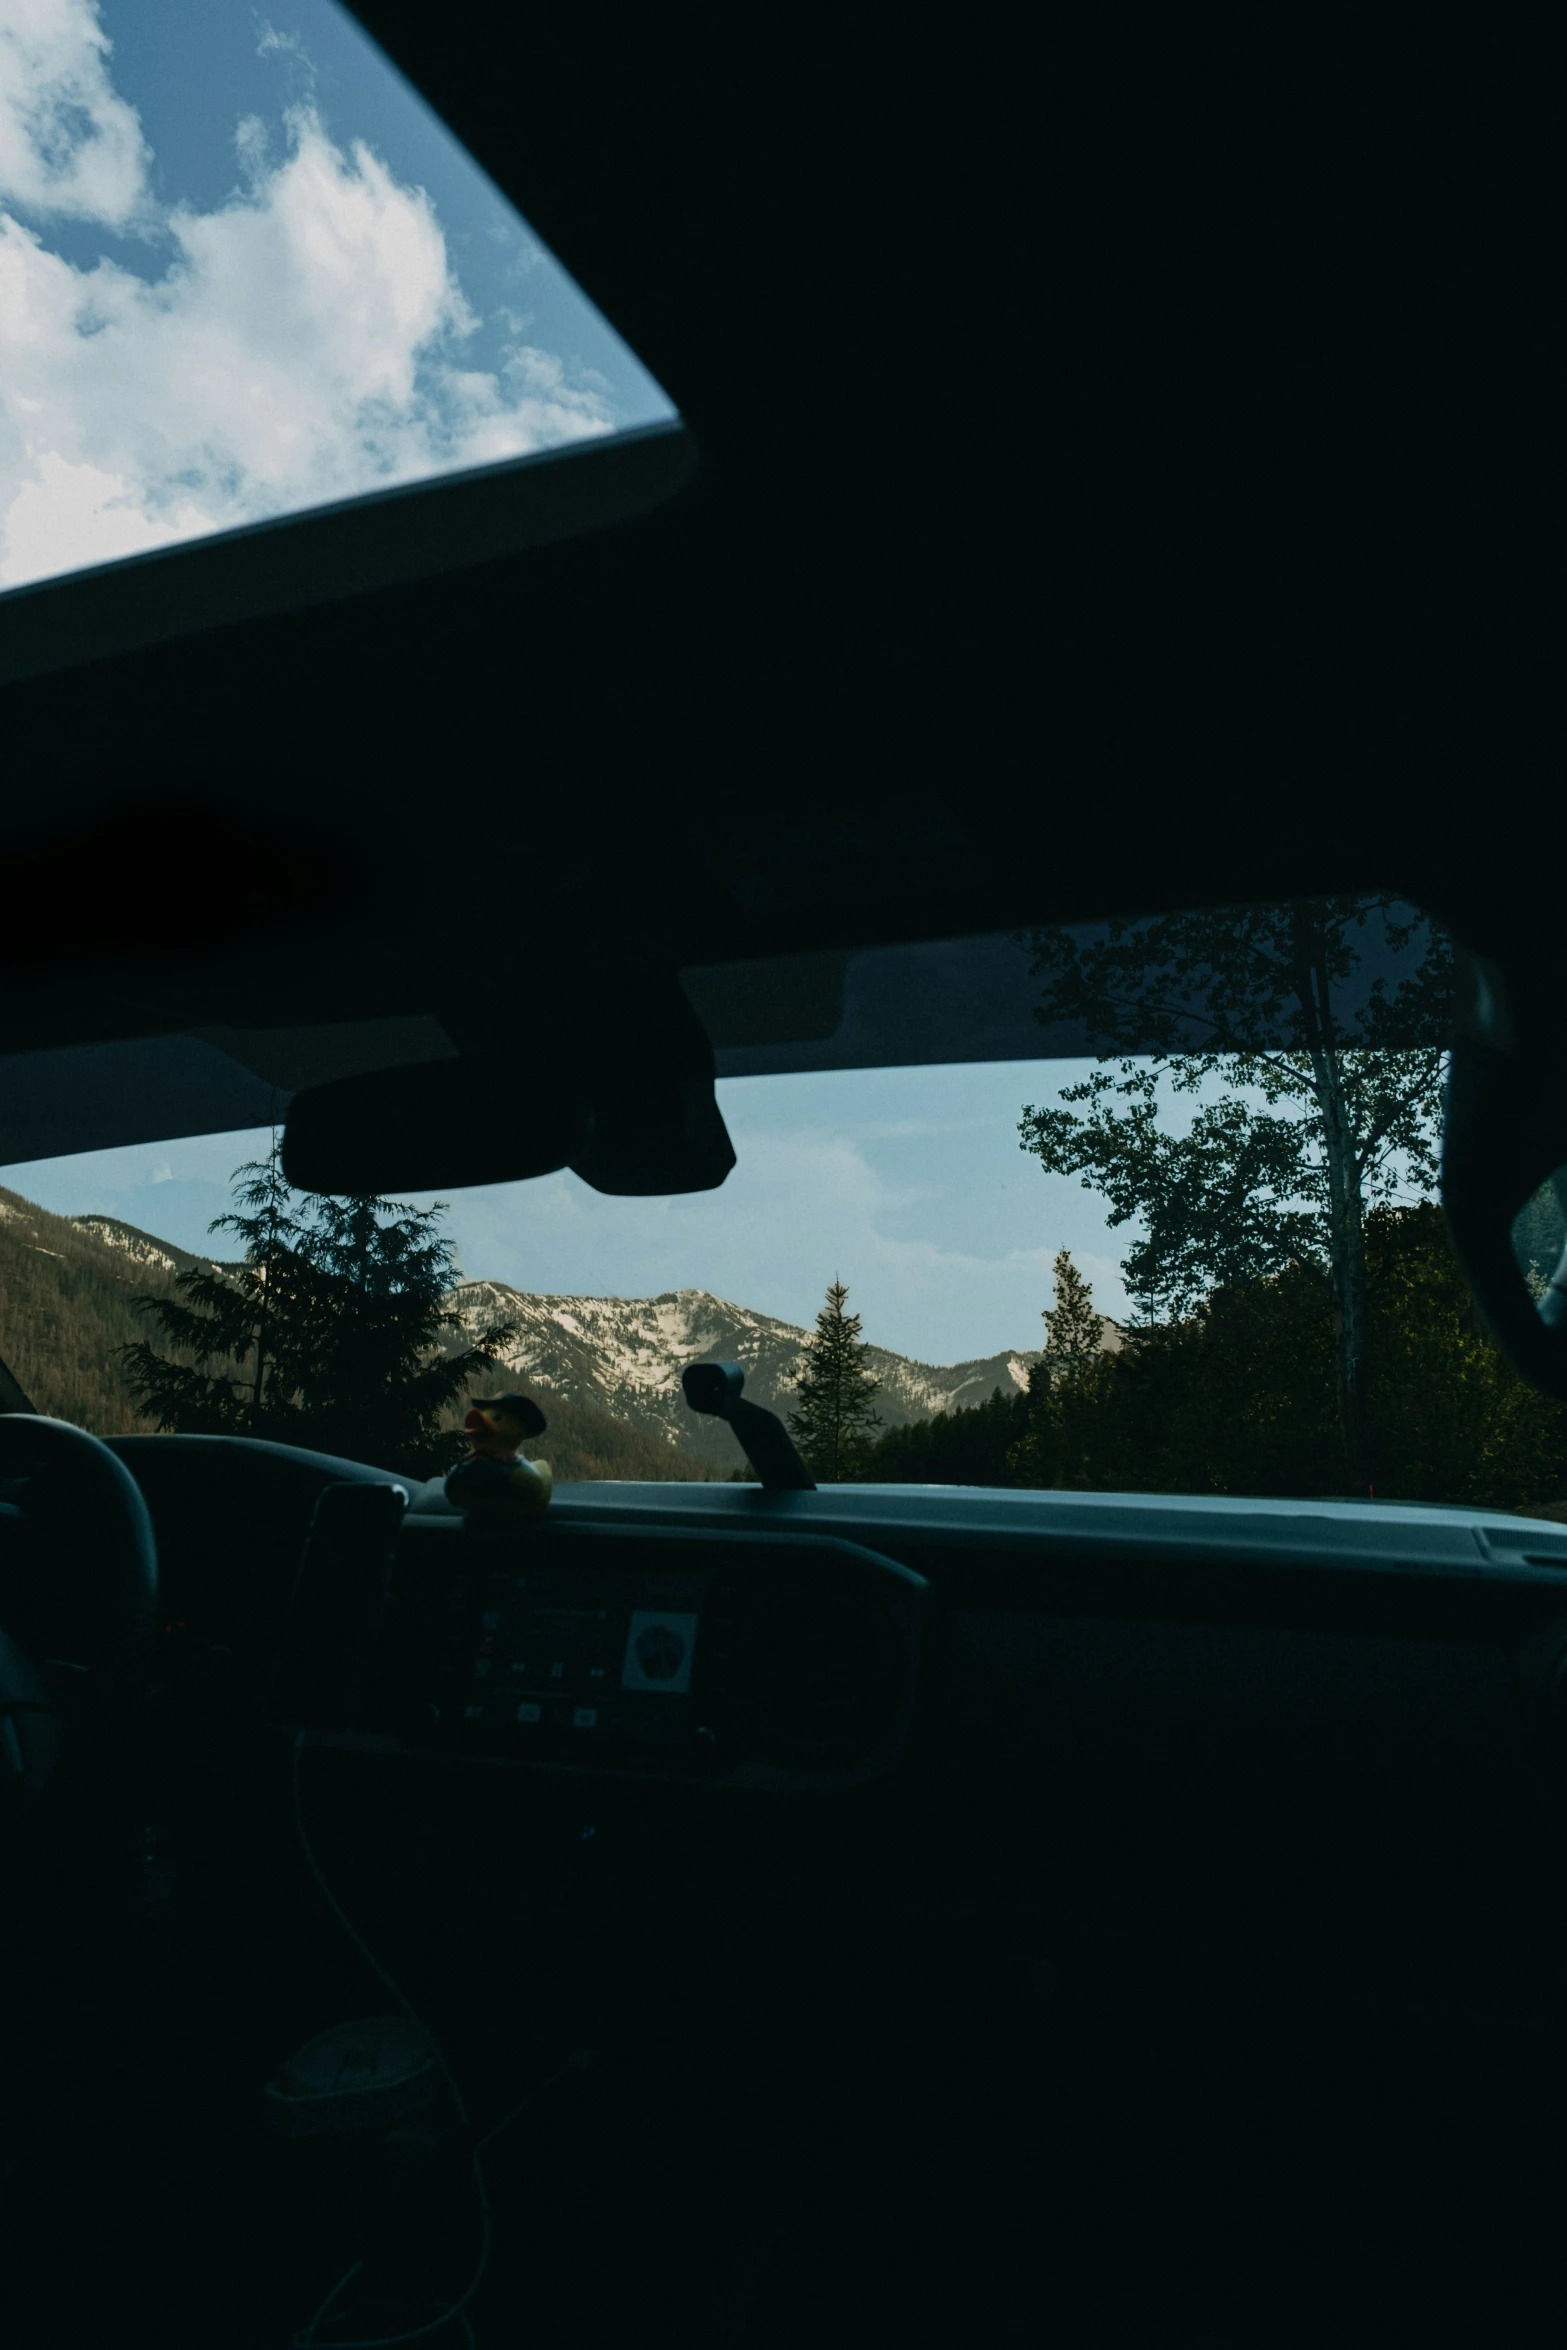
(1241, 1395)
(972, 1445)
(1324, 1021)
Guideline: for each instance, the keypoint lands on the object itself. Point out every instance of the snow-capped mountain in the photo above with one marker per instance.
(626, 1356)
(142, 1247)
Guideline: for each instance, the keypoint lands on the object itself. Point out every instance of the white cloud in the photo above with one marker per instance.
(303, 343)
(799, 1208)
(162, 1172)
(68, 143)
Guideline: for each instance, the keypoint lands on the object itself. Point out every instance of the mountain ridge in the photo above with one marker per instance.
(611, 1359)
(626, 1355)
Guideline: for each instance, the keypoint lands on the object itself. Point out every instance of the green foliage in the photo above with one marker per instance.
(65, 1307)
(1062, 1385)
(1074, 1332)
(67, 1310)
(333, 1332)
(1452, 1420)
(969, 1446)
(832, 1419)
(1347, 1073)
(1238, 1396)
(221, 1319)
(1247, 1190)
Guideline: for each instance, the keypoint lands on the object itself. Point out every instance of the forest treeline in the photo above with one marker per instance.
(1240, 1396)
(65, 1307)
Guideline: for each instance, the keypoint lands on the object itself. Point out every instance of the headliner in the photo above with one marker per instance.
(1052, 532)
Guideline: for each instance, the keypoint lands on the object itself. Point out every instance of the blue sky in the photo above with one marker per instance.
(909, 1183)
(245, 270)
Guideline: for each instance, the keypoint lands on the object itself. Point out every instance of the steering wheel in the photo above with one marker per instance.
(78, 1597)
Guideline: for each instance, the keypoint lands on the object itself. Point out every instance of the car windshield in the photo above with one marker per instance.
(1194, 1248)
(245, 271)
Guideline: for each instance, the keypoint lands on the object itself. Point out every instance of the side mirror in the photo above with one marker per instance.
(1504, 1134)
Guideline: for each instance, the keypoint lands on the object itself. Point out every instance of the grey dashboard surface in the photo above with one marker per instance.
(1178, 1587)
(1378, 1537)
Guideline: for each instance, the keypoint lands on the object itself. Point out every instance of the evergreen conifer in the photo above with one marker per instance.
(832, 1420)
(333, 1332)
(1074, 1345)
(1073, 1331)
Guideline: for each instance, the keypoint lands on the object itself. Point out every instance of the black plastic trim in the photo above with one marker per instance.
(333, 552)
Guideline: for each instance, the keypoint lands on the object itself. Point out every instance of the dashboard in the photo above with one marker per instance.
(730, 1636)
(768, 1660)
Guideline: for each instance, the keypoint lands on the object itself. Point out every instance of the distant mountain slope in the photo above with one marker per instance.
(607, 1369)
(625, 1355)
(66, 1285)
(142, 1248)
(65, 1306)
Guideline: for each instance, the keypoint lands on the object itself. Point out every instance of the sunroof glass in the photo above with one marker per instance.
(245, 271)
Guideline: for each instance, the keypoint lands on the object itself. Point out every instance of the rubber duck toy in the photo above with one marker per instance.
(493, 1481)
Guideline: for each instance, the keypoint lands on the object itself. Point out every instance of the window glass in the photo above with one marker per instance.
(245, 271)
(1189, 1243)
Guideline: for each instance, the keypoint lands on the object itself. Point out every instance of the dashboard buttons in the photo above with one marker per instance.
(527, 1713)
(585, 1717)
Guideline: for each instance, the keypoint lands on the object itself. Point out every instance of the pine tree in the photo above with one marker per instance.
(241, 1318)
(333, 1332)
(832, 1420)
(375, 1376)
(1073, 1331)
(1073, 1354)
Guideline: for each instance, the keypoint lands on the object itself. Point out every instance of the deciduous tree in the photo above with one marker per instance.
(1331, 1014)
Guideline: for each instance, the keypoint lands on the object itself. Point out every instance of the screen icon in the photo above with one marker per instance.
(658, 1651)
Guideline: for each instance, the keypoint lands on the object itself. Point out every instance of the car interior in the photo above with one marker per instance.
(982, 1915)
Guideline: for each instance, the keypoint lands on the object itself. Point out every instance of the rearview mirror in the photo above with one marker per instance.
(441, 1125)
(625, 1100)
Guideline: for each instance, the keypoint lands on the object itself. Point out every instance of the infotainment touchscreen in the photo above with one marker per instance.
(589, 1653)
